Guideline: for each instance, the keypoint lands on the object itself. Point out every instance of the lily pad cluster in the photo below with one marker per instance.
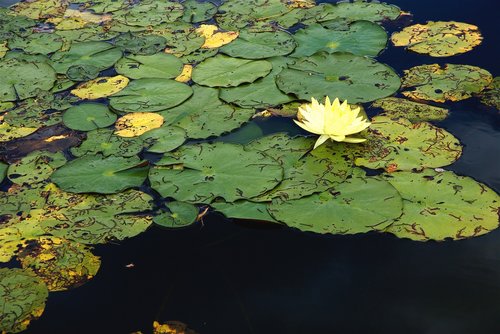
(116, 105)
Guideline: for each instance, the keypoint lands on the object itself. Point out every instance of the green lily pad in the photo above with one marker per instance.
(262, 93)
(451, 82)
(100, 175)
(30, 78)
(164, 139)
(36, 167)
(199, 55)
(200, 173)
(251, 45)
(148, 95)
(362, 38)
(95, 56)
(149, 13)
(160, 65)
(244, 210)
(60, 263)
(397, 144)
(223, 71)
(182, 38)
(103, 141)
(359, 205)
(357, 10)
(346, 76)
(3, 170)
(204, 115)
(457, 207)
(140, 44)
(491, 95)
(88, 116)
(22, 299)
(30, 58)
(180, 215)
(11, 25)
(195, 11)
(40, 9)
(42, 43)
(19, 201)
(97, 219)
(103, 6)
(394, 107)
(89, 33)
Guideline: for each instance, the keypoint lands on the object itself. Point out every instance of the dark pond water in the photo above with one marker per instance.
(241, 277)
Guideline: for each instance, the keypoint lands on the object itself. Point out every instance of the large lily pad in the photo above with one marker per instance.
(374, 11)
(42, 43)
(394, 107)
(60, 263)
(359, 205)
(88, 116)
(182, 38)
(160, 65)
(100, 175)
(346, 76)
(105, 142)
(200, 173)
(223, 71)
(28, 80)
(439, 39)
(149, 13)
(22, 299)
(204, 115)
(262, 93)
(36, 167)
(164, 139)
(361, 38)
(451, 82)
(397, 144)
(250, 45)
(440, 205)
(140, 44)
(148, 95)
(196, 11)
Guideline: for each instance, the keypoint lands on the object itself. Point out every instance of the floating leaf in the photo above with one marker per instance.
(3, 170)
(223, 71)
(40, 9)
(354, 11)
(180, 215)
(439, 39)
(36, 167)
(204, 115)
(160, 65)
(451, 82)
(457, 207)
(22, 299)
(136, 124)
(93, 56)
(359, 205)
(244, 210)
(103, 6)
(215, 38)
(100, 87)
(349, 77)
(491, 95)
(394, 107)
(37, 43)
(171, 327)
(76, 19)
(185, 76)
(88, 116)
(400, 145)
(60, 263)
(250, 45)
(195, 11)
(103, 141)
(261, 93)
(140, 44)
(97, 219)
(149, 13)
(200, 173)
(90, 33)
(8, 133)
(30, 78)
(164, 139)
(362, 38)
(148, 95)
(94, 173)
(182, 38)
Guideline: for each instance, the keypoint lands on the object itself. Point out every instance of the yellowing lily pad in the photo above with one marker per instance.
(60, 263)
(215, 39)
(136, 124)
(101, 87)
(451, 82)
(440, 205)
(185, 76)
(439, 39)
(8, 132)
(39, 9)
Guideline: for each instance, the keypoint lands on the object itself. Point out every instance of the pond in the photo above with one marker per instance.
(405, 241)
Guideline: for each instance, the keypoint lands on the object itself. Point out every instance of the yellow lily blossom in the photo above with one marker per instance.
(333, 121)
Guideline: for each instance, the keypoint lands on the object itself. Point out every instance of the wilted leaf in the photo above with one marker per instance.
(36, 167)
(394, 107)
(40, 9)
(105, 142)
(185, 76)
(101, 87)
(136, 124)
(215, 38)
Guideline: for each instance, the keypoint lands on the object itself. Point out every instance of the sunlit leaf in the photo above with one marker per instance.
(185, 76)
(439, 39)
(451, 82)
(60, 263)
(136, 124)
(8, 132)
(215, 38)
(100, 87)
(22, 299)
(440, 205)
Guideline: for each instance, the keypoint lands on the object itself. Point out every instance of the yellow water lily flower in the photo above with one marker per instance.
(332, 120)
